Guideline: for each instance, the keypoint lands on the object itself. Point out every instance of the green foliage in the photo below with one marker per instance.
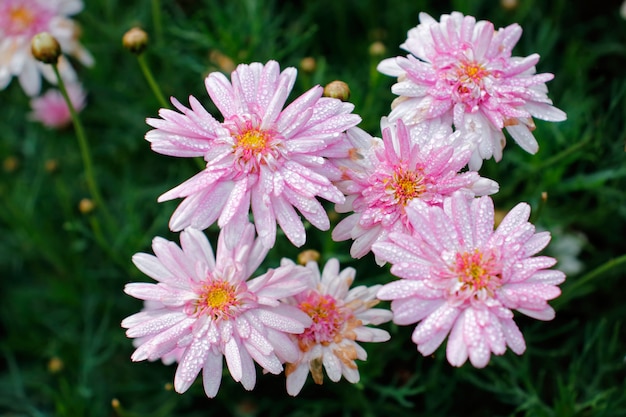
(63, 271)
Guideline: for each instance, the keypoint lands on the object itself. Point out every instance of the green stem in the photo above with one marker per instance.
(588, 277)
(84, 151)
(157, 21)
(566, 152)
(101, 241)
(153, 85)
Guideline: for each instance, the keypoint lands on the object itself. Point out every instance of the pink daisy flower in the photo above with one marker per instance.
(400, 170)
(20, 20)
(262, 158)
(340, 318)
(462, 278)
(463, 69)
(51, 109)
(206, 306)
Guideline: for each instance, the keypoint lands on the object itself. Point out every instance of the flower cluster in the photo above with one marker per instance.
(414, 198)
(265, 161)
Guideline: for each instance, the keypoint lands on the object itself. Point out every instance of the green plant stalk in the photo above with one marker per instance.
(156, 20)
(84, 150)
(153, 85)
(588, 277)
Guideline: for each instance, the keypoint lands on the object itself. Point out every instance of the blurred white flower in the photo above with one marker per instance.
(566, 247)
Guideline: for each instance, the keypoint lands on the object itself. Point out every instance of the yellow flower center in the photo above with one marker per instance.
(217, 299)
(477, 272)
(21, 18)
(472, 71)
(252, 143)
(328, 319)
(406, 185)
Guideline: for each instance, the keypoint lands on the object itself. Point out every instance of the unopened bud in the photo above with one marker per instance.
(308, 64)
(544, 196)
(51, 166)
(222, 61)
(337, 89)
(509, 4)
(45, 48)
(55, 365)
(86, 206)
(135, 40)
(307, 256)
(115, 403)
(377, 49)
(10, 164)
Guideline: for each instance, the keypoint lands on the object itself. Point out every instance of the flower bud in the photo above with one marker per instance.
(337, 89)
(86, 206)
(377, 49)
(55, 365)
(308, 64)
(222, 61)
(509, 4)
(308, 255)
(45, 48)
(51, 166)
(135, 40)
(10, 164)
(115, 404)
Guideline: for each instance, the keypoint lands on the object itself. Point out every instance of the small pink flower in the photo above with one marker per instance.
(462, 278)
(20, 20)
(463, 69)
(262, 158)
(51, 109)
(340, 317)
(204, 308)
(424, 165)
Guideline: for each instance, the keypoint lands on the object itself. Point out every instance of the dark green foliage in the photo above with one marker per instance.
(61, 288)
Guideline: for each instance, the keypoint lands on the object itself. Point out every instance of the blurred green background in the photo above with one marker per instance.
(62, 350)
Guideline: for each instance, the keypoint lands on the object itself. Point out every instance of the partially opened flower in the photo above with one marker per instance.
(461, 278)
(340, 318)
(51, 108)
(424, 165)
(261, 158)
(20, 20)
(463, 69)
(205, 308)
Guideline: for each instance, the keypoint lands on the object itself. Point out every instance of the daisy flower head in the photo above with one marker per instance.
(459, 277)
(261, 159)
(423, 164)
(463, 69)
(51, 108)
(340, 317)
(20, 20)
(205, 308)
